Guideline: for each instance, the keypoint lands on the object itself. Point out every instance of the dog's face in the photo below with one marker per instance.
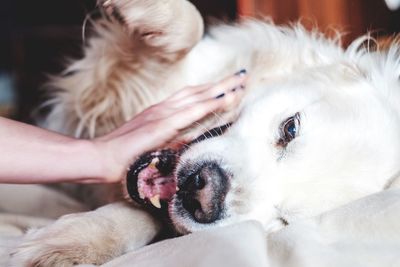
(301, 145)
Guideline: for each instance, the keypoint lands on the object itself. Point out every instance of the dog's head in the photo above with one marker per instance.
(303, 144)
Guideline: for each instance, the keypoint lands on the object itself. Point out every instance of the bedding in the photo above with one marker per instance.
(363, 233)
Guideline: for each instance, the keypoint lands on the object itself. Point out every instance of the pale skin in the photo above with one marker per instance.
(34, 155)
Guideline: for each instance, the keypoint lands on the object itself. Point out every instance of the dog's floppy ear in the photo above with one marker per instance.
(379, 57)
(379, 63)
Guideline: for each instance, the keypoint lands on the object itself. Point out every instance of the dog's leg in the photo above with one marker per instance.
(171, 26)
(125, 65)
(86, 238)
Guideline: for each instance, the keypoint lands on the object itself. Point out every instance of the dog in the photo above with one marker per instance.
(318, 127)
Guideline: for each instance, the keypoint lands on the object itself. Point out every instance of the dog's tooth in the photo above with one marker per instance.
(141, 195)
(177, 189)
(154, 162)
(155, 201)
(107, 3)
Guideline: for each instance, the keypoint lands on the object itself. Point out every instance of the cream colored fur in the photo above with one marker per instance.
(115, 79)
(157, 50)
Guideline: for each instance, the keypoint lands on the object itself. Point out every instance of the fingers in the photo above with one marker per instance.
(190, 115)
(227, 85)
(202, 93)
(195, 103)
(188, 91)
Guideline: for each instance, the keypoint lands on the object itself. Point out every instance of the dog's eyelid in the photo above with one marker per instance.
(297, 118)
(289, 130)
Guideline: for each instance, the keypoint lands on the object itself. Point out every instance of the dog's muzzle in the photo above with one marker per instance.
(202, 191)
(150, 180)
(197, 189)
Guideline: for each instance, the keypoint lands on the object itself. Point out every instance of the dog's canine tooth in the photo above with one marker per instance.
(154, 163)
(107, 3)
(155, 201)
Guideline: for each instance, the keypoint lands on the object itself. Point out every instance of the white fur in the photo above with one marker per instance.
(349, 105)
(348, 100)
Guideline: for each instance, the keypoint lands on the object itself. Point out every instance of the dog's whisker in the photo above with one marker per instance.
(220, 121)
(206, 130)
(88, 18)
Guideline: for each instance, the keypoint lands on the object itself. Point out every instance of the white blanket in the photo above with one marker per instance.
(363, 233)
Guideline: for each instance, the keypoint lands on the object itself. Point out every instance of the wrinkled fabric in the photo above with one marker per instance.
(363, 233)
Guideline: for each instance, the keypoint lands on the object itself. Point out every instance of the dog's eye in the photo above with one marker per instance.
(289, 129)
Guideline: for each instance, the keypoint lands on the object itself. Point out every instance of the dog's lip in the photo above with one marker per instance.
(156, 168)
(153, 186)
(168, 159)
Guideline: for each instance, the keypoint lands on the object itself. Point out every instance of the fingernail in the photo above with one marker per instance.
(219, 96)
(238, 87)
(241, 72)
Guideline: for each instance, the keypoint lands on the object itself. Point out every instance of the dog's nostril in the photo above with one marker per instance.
(199, 181)
(195, 182)
(192, 205)
(203, 192)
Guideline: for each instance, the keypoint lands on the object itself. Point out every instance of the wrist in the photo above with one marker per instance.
(106, 166)
(94, 165)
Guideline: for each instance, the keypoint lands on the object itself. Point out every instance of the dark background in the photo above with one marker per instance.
(37, 36)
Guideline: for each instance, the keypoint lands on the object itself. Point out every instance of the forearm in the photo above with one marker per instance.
(34, 155)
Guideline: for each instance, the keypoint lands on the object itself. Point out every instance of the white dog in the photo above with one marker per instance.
(319, 126)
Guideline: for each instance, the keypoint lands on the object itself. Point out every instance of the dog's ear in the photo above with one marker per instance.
(379, 63)
(380, 57)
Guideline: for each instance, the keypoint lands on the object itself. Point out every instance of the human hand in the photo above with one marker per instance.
(160, 123)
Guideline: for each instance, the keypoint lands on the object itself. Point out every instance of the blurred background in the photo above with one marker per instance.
(37, 36)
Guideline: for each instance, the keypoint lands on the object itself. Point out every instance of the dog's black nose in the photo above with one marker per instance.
(202, 191)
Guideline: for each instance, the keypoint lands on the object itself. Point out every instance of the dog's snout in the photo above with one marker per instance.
(203, 192)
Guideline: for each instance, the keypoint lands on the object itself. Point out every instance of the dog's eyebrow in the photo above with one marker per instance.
(217, 131)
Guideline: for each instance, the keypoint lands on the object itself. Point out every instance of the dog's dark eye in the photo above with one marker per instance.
(289, 129)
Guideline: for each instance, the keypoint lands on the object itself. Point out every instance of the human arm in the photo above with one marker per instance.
(34, 155)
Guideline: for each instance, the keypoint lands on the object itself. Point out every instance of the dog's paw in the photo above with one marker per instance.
(72, 240)
(173, 24)
(150, 18)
